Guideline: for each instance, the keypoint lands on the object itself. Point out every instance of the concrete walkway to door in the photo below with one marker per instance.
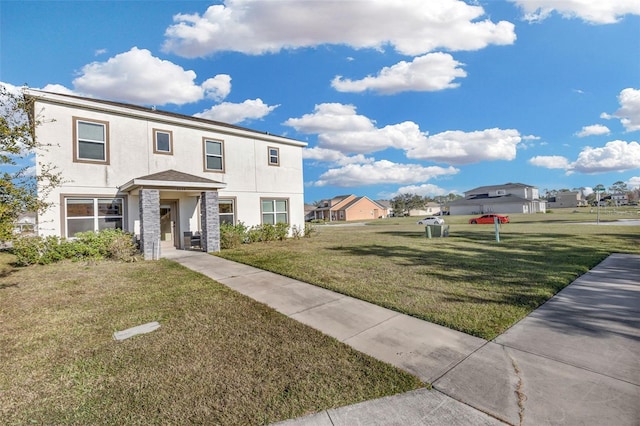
(575, 360)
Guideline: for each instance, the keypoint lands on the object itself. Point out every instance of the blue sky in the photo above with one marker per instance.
(392, 97)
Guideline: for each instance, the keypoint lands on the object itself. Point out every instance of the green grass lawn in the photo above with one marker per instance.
(218, 358)
(467, 281)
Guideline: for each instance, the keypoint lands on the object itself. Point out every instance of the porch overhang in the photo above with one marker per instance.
(172, 180)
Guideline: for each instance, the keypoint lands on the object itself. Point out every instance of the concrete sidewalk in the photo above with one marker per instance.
(573, 361)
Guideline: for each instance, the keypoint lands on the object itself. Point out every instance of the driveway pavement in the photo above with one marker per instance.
(574, 361)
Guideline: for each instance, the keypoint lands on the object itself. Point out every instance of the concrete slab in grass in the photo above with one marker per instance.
(509, 383)
(421, 407)
(283, 294)
(424, 349)
(345, 317)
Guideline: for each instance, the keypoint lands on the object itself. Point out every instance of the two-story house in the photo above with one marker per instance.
(507, 198)
(619, 199)
(567, 199)
(161, 175)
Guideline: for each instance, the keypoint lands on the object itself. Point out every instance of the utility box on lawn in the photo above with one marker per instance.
(437, 231)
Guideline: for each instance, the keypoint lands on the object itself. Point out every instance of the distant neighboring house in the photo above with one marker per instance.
(567, 199)
(507, 198)
(349, 207)
(308, 212)
(428, 210)
(619, 199)
(387, 207)
(160, 175)
(26, 224)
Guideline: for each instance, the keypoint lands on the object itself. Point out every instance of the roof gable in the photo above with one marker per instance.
(172, 179)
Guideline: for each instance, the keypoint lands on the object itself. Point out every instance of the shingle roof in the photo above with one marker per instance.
(176, 176)
(172, 179)
(41, 94)
(495, 187)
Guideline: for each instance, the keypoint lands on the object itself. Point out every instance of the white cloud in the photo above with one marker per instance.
(629, 112)
(593, 130)
(227, 112)
(592, 11)
(428, 73)
(550, 161)
(13, 90)
(30, 171)
(615, 156)
(340, 128)
(218, 87)
(137, 76)
(381, 172)
(58, 88)
(458, 147)
(412, 27)
(634, 182)
(424, 190)
(333, 156)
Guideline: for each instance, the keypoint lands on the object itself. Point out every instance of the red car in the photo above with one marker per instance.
(489, 219)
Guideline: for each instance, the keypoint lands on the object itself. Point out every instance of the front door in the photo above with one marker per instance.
(168, 223)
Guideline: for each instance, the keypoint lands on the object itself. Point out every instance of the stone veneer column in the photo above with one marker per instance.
(150, 223)
(210, 221)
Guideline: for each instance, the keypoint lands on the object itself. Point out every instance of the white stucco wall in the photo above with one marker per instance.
(247, 174)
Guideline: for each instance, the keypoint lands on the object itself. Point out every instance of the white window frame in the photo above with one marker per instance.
(76, 140)
(232, 202)
(275, 212)
(207, 155)
(96, 217)
(272, 156)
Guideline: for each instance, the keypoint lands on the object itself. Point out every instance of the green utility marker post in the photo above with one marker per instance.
(428, 227)
(496, 221)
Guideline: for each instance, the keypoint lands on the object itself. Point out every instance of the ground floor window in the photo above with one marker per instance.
(227, 211)
(93, 214)
(275, 211)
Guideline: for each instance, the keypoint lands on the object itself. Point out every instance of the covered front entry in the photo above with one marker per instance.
(192, 206)
(169, 223)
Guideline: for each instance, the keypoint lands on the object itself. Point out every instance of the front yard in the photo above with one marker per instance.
(222, 358)
(218, 358)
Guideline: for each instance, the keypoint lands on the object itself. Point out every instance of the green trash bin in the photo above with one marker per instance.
(437, 231)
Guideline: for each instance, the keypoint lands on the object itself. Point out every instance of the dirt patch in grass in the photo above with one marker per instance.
(218, 358)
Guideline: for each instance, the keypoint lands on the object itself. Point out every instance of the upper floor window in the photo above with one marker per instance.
(90, 141)
(162, 141)
(274, 156)
(275, 211)
(213, 155)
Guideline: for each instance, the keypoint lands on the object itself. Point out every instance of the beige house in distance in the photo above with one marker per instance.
(567, 199)
(349, 207)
